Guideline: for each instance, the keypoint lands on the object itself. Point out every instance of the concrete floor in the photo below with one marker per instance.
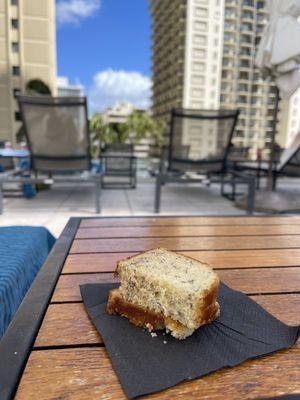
(52, 208)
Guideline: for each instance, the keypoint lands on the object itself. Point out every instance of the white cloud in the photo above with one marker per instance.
(73, 11)
(110, 86)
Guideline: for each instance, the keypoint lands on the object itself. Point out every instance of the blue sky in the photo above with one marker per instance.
(105, 45)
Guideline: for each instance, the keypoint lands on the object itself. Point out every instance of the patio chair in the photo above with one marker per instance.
(118, 161)
(198, 148)
(57, 133)
(286, 164)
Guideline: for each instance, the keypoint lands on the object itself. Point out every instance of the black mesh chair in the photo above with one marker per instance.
(57, 132)
(119, 166)
(286, 164)
(199, 145)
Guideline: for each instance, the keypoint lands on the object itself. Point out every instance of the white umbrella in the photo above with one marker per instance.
(278, 54)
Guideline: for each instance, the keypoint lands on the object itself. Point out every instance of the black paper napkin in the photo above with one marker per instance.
(146, 364)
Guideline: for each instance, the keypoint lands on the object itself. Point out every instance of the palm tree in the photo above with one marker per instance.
(138, 126)
(142, 125)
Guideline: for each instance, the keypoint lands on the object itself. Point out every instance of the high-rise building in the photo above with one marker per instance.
(242, 86)
(203, 58)
(187, 54)
(27, 51)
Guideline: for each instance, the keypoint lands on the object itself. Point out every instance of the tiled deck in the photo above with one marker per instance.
(52, 208)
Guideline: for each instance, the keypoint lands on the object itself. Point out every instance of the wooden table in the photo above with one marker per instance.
(63, 355)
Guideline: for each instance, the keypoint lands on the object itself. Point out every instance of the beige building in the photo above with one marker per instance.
(203, 58)
(118, 112)
(187, 38)
(27, 51)
(242, 86)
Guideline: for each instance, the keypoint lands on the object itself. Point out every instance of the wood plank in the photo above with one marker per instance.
(188, 231)
(106, 262)
(87, 374)
(191, 220)
(69, 324)
(184, 243)
(262, 280)
(285, 307)
(67, 288)
(249, 281)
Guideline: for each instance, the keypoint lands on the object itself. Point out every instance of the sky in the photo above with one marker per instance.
(105, 46)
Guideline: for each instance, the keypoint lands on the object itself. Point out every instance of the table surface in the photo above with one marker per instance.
(259, 256)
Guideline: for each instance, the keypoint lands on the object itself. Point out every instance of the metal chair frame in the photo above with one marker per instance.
(223, 176)
(55, 175)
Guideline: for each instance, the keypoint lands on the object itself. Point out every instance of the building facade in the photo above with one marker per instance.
(187, 41)
(119, 112)
(27, 51)
(64, 88)
(203, 58)
(242, 86)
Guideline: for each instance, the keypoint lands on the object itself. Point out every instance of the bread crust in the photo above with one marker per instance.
(116, 273)
(153, 321)
(207, 309)
(208, 305)
(136, 314)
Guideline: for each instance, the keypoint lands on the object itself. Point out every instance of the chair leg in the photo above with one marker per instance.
(233, 189)
(133, 181)
(258, 175)
(222, 185)
(274, 181)
(157, 194)
(251, 195)
(98, 195)
(1, 199)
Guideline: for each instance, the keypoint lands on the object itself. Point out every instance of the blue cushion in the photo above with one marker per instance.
(23, 250)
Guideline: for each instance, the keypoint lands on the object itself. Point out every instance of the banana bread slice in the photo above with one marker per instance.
(162, 289)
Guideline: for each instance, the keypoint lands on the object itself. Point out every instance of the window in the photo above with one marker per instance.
(198, 67)
(15, 23)
(201, 12)
(200, 39)
(260, 5)
(200, 26)
(198, 79)
(18, 116)
(14, 2)
(16, 70)
(16, 92)
(243, 87)
(15, 47)
(199, 53)
(197, 93)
